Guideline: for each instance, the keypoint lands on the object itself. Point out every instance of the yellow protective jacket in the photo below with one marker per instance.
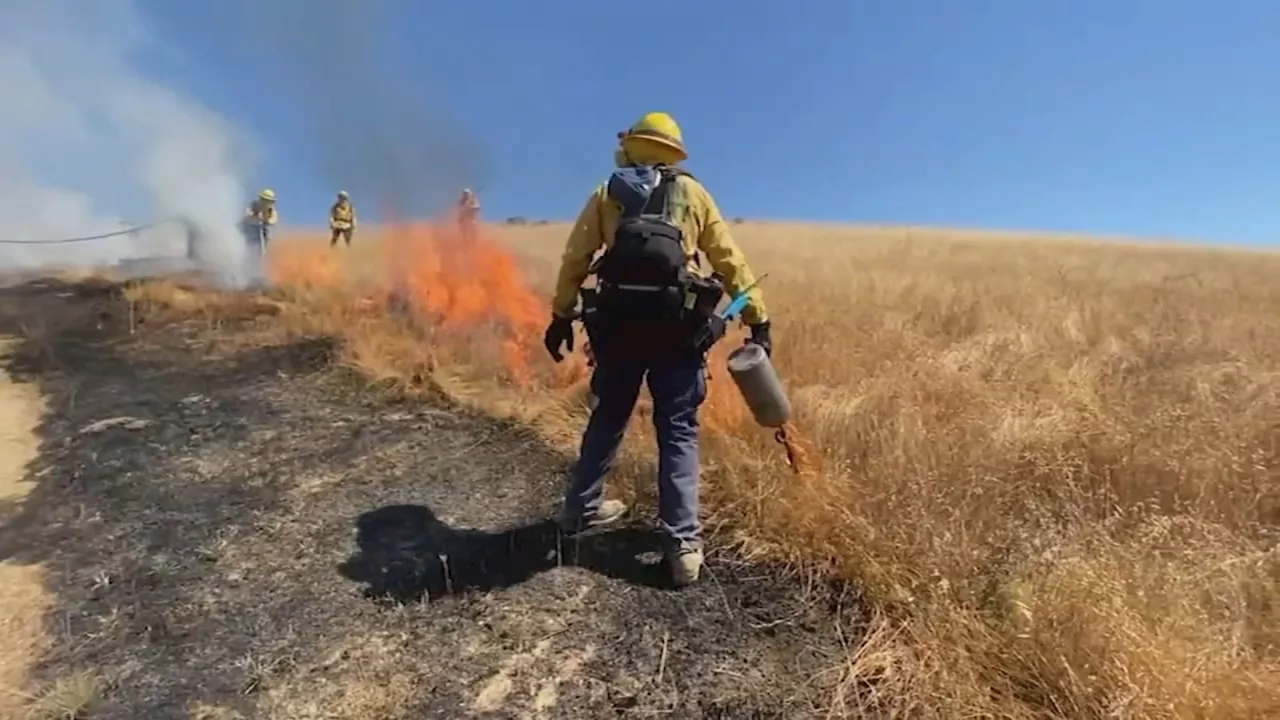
(342, 216)
(260, 212)
(694, 212)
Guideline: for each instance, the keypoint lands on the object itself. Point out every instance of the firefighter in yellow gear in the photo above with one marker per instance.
(468, 212)
(651, 319)
(258, 220)
(342, 219)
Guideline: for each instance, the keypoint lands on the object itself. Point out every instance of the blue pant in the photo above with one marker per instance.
(678, 387)
(255, 238)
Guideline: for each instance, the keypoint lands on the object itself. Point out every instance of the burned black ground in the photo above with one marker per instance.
(256, 534)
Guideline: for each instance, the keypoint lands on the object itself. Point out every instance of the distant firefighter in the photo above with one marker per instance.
(191, 234)
(468, 211)
(342, 219)
(259, 218)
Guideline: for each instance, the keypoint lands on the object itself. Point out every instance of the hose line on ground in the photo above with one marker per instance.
(104, 236)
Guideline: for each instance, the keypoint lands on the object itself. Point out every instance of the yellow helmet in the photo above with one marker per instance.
(267, 194)
(659, 128)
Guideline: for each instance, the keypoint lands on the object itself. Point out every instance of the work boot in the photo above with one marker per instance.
(686, 565)
(610, 512)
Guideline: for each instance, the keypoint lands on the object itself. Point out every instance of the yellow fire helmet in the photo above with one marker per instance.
(657, 127)
(268, 195)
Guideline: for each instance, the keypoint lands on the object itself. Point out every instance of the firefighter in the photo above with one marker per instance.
(259, 218)
(191, 233)
(468, 212)
(650, 319)
(342, 219)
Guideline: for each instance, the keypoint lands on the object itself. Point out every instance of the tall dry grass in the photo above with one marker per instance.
(1049, 466)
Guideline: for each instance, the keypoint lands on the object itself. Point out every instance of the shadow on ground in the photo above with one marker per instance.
(406, 554)
(194, 497)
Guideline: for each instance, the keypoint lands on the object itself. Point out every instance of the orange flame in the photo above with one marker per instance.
(468, 299)
(468, 289)
(302, 267)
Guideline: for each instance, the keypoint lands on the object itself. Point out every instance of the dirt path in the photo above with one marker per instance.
(249, 533)
(23, 598)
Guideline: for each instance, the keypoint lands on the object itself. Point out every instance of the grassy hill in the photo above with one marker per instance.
(1043, 471)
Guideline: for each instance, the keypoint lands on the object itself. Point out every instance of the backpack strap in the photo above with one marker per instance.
(675, 171)
(659, 203)
(644, 190)
(632, 187)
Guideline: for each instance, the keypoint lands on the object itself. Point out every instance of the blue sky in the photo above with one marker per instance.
(1138, 117)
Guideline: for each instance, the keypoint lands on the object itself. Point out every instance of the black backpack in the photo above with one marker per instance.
(644, 274)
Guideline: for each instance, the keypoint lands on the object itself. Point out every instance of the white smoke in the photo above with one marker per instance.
(90, 145)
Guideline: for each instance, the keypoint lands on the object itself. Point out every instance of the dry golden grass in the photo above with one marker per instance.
(1049, 465)
(23, 597)
(72, 697)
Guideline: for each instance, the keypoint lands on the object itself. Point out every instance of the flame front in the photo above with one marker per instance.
(466, 287)
(468, 302)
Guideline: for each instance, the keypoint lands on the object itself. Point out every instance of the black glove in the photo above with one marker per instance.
(760, 336)
(559, 333)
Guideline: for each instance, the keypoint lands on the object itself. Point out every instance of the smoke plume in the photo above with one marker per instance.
(90, 145)
(381, 131)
